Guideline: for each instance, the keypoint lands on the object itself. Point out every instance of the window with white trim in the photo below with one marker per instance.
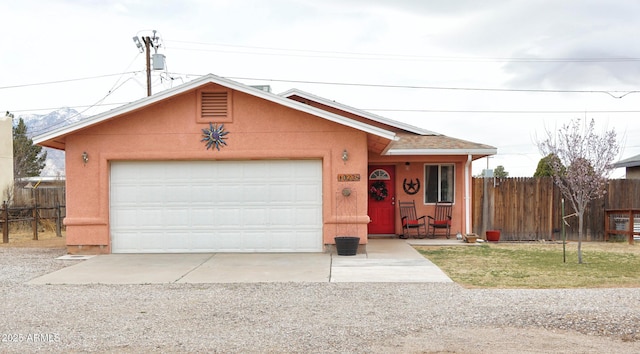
(439, 181)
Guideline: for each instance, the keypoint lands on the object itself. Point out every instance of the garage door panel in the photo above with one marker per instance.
(124, 194)
(281, 193)
(176, 241)
(216, 206)
(306, 216)
(226, 193)
(226, 216)
(134, 242)
(202, 193)
(282, 216)
(306, 193)
(254, 216)
(149, 217)
(173, 218)
(305, 241)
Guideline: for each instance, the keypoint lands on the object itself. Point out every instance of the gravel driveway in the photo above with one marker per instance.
(304, 317)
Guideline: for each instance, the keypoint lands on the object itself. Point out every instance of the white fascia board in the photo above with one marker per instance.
(318, 112)
(359, 112)
(210, 78)
(392, 152)
(129, 107)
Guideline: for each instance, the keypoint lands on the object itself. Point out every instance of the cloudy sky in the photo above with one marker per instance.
(497, 72)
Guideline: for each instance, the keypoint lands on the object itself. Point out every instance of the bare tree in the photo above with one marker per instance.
(583, 164)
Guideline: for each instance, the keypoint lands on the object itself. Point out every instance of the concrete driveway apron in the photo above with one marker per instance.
(385, 260)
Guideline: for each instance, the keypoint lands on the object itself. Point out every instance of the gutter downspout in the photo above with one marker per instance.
(467, 196)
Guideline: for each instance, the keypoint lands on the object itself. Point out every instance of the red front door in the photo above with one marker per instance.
(382, 200)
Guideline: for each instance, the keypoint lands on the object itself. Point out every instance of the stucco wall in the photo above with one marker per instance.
(6, 156)
(169, 131)
(415, 170)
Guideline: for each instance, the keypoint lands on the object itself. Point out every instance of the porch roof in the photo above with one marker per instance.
(412, 144)
(410, 140)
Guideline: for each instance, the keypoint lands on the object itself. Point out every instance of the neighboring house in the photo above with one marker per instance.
(632, 165)
(217, 166)
(40, 182)
(6, 156)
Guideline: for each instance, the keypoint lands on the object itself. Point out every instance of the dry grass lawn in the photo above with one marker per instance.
(22, 236)
(539, 265)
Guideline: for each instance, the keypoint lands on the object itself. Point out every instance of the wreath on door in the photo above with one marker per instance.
(378, 191)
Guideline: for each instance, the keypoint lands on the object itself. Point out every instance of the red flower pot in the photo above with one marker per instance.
(493, 235)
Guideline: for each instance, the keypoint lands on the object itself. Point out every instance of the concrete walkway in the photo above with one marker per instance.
(385, 260)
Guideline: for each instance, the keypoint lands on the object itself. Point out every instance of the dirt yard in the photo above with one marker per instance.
(46, 239)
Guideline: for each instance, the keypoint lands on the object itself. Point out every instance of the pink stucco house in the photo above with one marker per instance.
(217, 166)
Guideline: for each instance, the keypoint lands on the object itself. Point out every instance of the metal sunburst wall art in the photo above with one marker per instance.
(214, 137)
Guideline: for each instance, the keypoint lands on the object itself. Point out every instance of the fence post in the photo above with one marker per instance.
(58, 221)
(5, 224)
(631, 222)
(35, 223)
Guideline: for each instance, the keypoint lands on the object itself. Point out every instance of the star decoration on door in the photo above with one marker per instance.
(214, 137)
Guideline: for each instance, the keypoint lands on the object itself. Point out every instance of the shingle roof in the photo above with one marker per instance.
(410, 140)
(412, 144)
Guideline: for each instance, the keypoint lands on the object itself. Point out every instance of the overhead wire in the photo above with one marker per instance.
(116, 85)
(608, 92)
(612, 93)
(65, 80)
(67, 119)
(497, 111)
(378, 56)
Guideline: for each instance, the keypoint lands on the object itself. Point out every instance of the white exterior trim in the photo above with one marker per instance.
(210, 78)
(359, 112)
(391, 152)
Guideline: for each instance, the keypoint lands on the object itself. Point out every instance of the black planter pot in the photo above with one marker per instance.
(347, 245)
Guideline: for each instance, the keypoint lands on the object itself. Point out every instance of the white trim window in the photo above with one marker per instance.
(439, 181)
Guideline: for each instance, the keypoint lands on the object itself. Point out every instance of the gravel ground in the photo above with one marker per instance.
(304, 317)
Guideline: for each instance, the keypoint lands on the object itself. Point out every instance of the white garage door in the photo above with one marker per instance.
(216, 206)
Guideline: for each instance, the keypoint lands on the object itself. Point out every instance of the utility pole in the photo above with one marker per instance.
(147, 45)
(158, 59)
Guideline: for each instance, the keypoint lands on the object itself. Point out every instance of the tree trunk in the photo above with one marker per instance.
(580, 222)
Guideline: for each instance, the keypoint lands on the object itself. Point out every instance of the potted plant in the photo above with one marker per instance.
(493, 235)
(347, 245)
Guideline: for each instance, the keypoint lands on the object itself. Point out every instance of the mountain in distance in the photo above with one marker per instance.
(38, 124)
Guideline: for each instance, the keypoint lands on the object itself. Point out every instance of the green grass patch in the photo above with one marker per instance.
(538, 266)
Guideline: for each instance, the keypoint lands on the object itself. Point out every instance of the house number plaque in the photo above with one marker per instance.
(349, 177)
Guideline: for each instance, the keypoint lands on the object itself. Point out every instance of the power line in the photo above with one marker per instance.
(383, 56)
(73, 106)
(67, 80)
(393, 110)
(610, 93)
(497, 111)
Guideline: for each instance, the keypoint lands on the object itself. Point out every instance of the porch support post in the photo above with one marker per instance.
(467, 195)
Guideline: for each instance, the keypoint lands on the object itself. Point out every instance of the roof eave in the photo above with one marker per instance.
(627, 164)
(121, 110)
(358, 112)
(485, 152)
(210, 78)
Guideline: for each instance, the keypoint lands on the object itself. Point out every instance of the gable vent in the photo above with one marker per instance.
(214, 105)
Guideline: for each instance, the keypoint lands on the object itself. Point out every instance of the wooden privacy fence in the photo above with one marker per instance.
(525, 209)
(30, 206)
